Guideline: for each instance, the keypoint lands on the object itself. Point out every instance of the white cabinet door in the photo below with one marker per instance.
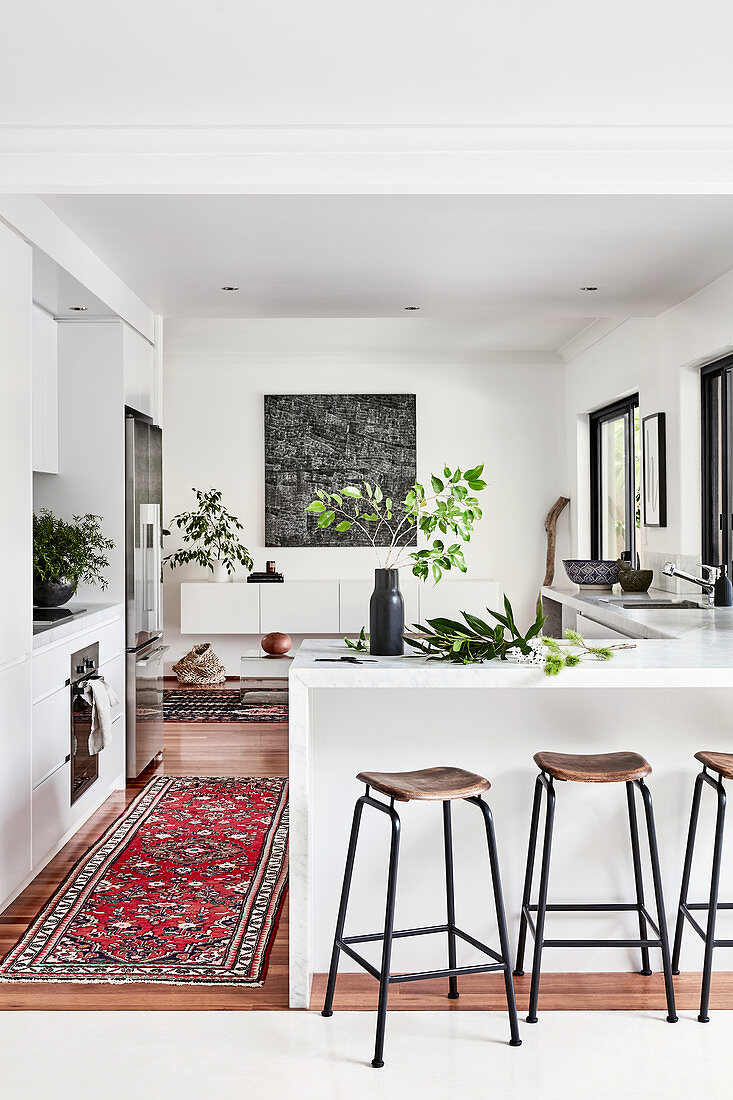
(16, 548)
(45, 397)
(15, 777)
(447, 599)
(51, 812)
(51, 733)
(300, 607)
(226, 608)
(354, 599)
(139, 372)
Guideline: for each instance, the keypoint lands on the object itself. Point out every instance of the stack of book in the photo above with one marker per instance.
(265, 578)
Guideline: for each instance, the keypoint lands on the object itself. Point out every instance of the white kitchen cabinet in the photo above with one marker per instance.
(300, 607)
(45, 393)
(16, 548)
(138, 357)
(354, 599)
(15, 777)
(51, 737)
(208, 607)
(449, 597)
(51, 812)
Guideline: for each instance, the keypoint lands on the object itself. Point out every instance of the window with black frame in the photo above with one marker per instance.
(615, 480)
(717, 466)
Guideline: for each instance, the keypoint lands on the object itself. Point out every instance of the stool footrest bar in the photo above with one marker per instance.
(373, 937)
(425, 975)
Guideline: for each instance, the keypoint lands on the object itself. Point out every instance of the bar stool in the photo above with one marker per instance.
(613, 767)
(722, 764)
(428, 785)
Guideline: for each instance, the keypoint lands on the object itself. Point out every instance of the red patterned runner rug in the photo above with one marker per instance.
(186, 887)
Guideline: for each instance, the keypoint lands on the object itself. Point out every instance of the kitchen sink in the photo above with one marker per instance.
(658, 605)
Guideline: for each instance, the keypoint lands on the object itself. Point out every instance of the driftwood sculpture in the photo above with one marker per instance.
(551, 528)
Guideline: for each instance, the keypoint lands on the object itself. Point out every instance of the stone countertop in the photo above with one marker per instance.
(642, 622)
(702, 657)
(94, 615)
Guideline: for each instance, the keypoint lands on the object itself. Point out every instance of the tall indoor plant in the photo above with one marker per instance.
(449, 508)
(211, 537)
(65, 554)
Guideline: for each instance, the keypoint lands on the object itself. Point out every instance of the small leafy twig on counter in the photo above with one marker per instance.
(360, 645)
(555, 659)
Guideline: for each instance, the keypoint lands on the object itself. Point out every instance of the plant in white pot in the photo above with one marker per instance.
(210, 537)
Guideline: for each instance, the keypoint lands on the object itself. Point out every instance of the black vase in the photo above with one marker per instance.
(52, 593)
(386, 615)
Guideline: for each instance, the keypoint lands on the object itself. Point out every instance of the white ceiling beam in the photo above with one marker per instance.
(368, 160)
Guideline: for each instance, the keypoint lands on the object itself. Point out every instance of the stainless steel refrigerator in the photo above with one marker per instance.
(144, 592)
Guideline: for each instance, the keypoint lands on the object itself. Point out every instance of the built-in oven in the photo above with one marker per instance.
(84, 764)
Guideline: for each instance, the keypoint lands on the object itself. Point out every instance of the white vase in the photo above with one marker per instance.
(220, 572)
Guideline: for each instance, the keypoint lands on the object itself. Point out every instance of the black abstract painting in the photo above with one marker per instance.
(326, 441)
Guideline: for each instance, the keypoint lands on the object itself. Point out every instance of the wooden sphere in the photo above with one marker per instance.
(276, 644)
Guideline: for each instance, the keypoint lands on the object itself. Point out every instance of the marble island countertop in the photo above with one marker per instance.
(700, 657)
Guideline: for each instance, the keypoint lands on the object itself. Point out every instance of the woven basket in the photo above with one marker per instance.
(200, 666)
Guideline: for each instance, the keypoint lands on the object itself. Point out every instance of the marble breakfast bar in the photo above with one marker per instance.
(666, 698)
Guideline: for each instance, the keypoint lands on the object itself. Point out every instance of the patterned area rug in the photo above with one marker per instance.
(186, 887)
(219, 706)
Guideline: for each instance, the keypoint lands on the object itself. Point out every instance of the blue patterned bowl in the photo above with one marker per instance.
(600, 575)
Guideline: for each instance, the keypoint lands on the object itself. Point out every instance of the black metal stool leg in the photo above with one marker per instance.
(712, 906)
(689, 852)
(343, 905)
(450, 899)
(511, 1005)
(378, 1060)
(542, 900)
(659, 897)
(531, 849)
(638, 876)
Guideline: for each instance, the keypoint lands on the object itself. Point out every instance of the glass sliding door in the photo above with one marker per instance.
(615, 488)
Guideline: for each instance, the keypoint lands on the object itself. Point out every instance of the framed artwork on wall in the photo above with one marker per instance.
(325, 441)
(654, 470)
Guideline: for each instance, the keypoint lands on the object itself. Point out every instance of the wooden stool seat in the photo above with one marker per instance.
(601, 767)
(720, 762)
(427, 784)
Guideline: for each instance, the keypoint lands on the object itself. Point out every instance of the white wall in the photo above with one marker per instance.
(660, 358)
(508, 415)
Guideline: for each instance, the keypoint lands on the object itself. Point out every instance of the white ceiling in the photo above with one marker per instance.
(420, 62)
(58, 292)
(517, 260)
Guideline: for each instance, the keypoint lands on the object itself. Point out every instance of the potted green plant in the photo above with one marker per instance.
(64, 554)
(210, 536)
(449, 508)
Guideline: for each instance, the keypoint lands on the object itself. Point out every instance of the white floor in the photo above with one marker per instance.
(208, 1055)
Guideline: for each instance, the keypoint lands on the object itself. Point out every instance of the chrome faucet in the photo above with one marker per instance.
(707, 583)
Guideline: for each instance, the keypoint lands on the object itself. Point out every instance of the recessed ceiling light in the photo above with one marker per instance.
(79, 309)
(588, 289)
(230, 288)
(412, 307)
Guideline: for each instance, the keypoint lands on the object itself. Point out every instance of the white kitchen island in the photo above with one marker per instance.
(666, 699)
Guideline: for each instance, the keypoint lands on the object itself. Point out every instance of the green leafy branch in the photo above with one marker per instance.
(476, 641)
(210, 535)
(360, 645)
(450, 509)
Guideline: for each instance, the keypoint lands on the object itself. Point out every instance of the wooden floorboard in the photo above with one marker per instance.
(358, 992)
(191, 748)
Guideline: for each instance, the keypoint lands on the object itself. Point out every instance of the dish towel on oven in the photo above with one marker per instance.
(101, 697)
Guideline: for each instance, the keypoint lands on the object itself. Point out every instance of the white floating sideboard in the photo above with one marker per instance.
(320, 607)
